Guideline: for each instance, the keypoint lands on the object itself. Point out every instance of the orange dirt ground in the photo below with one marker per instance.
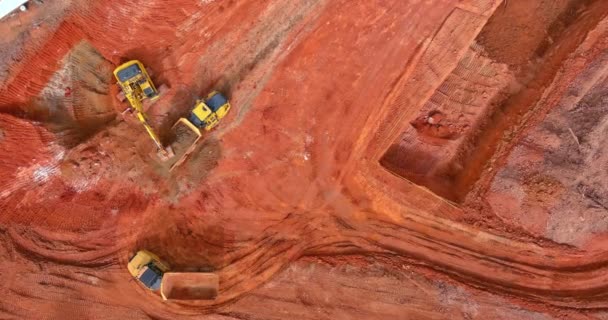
(383, 159)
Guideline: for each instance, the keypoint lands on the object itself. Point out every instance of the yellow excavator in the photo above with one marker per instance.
(137, 86)
(153, 273)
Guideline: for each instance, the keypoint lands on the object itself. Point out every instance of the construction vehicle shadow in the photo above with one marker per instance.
(166, 112)
(188, 177)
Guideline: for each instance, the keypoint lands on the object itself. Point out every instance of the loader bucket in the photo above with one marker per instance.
(184, 139)
(189, 286)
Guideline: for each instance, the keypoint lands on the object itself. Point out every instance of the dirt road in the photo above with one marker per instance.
(320, 91)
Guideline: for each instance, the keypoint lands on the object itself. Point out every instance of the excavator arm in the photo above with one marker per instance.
(141, 116)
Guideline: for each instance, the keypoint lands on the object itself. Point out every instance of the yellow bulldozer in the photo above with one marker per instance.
(154, 274)
(136, 86)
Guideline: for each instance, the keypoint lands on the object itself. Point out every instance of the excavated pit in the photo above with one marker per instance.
(556, 171)
(481, 103)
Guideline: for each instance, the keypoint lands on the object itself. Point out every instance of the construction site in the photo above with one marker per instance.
(304, 159)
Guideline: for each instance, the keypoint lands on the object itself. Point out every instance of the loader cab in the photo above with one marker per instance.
(200, 114)
(148, 269)
(207, 113)
(218, 103)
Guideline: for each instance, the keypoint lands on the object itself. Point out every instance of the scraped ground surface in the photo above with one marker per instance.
(382, 159)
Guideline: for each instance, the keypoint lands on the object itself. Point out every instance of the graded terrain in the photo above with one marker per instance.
(382, 159)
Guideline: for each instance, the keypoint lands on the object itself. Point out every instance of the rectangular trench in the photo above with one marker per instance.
(480, 105)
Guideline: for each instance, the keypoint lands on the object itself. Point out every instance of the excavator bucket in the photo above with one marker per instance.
(184, 139)
(189, 286)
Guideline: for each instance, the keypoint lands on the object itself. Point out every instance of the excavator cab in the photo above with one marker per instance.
(135, 82)
(148, 269)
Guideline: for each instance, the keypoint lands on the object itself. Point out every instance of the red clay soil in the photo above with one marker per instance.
(556, 172)
(494, 83)
(287, 201)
